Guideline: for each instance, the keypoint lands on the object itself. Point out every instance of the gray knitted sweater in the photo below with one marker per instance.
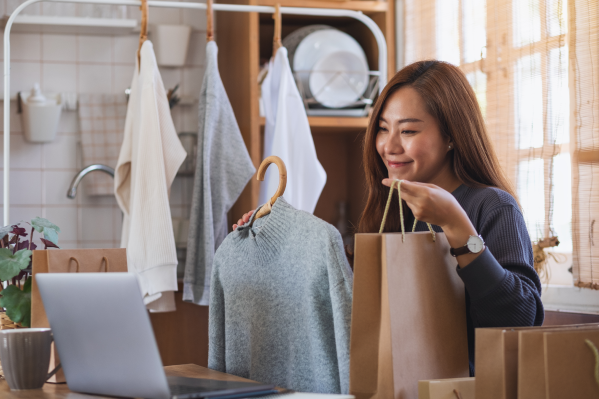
(280, 303)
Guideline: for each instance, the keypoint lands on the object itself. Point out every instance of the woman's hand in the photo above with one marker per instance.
(244, 219)
(432, 204)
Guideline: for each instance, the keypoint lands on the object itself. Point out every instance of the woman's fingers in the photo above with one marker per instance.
(244, 219)
(387, 182)
(247, 216)
(412, 189)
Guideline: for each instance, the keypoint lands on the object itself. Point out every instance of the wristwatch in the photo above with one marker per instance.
(474, 245)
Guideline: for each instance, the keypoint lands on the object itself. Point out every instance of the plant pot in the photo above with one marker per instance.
(7, 324)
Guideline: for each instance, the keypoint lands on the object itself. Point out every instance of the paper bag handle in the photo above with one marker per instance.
(104, 259)
(596, 353)
(403, 232)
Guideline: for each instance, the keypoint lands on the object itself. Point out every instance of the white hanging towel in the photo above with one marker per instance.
(149, 159)
(223, 169)
(287, 135)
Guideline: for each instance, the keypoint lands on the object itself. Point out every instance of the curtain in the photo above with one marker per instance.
(523, 58)
(583, 25)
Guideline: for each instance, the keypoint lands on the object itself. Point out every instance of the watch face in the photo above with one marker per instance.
(475, 244)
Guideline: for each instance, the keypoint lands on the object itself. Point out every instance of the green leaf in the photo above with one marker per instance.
(4, 231)
(11, 264)
(51, 235)
(49, 229)
(39, 224)
(18, 303)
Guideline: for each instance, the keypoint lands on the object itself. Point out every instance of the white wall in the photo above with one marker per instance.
(41, 173)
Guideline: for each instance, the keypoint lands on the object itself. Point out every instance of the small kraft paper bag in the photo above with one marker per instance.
(531, 359)
(571, 364)
(69, 261)
(450, 388)
(408, 315)
(496, 361)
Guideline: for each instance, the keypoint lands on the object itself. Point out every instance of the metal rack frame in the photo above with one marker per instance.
(376, 31)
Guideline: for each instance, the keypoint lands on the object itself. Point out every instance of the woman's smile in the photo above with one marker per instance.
(398, 165)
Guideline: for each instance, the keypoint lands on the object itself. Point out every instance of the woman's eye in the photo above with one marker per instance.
(408, 131)
(382, 129)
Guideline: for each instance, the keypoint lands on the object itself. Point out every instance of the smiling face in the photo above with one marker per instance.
(410, 142)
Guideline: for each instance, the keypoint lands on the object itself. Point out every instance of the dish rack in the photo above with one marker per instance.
(359, 108)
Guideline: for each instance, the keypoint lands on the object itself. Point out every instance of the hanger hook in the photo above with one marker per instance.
(282, 175)
(143, 33)
(209, 23)
(282, 182)
(276, 40)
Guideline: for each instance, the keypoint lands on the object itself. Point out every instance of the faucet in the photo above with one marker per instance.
(73, 188)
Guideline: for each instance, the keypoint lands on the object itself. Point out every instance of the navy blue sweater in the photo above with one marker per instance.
(502, 287)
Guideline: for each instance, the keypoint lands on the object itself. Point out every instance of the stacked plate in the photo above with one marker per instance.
(329, 64)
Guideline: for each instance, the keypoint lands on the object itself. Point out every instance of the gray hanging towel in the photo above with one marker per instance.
(223, 169)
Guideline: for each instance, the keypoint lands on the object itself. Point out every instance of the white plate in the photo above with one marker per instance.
(338, 79)
(321, 43)
(293, 40)
(316, 47)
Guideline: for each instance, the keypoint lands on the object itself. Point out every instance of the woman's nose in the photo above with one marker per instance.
(393, 145)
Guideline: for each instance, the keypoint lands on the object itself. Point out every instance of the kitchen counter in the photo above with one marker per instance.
(56, 391)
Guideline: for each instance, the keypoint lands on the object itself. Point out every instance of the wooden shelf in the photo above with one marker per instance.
(334, 122)
(364, 6)
(71, 25)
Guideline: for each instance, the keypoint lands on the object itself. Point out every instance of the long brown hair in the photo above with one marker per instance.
(449, 98)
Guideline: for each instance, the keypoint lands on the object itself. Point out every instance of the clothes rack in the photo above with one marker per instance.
(376, 31)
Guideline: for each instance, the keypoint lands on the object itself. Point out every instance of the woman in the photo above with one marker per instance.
(427, 130)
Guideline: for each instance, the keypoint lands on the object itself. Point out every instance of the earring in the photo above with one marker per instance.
(450, 147)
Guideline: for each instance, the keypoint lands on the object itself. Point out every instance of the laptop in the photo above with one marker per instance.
(106, 344)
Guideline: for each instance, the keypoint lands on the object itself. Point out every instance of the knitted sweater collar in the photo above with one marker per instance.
(267, 234)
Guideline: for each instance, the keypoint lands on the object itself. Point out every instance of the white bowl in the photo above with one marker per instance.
(339, 79)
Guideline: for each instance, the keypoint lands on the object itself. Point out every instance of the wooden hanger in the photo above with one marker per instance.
(209, 24)
(276, 40)
(265, 210)
(143, 34)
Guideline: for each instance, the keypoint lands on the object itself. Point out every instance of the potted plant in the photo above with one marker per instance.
(15, 269)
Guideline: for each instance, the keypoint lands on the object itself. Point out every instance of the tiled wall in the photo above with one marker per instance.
(41, 173)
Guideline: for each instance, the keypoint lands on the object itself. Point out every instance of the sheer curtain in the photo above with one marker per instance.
(534, 65)
(583, 25)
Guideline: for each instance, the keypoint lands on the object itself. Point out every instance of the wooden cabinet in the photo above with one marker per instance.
(245, 40)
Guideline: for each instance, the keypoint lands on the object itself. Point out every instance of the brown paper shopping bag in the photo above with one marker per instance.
(496, 361)
(571, 364)
(531, 359)
(408, 316)
(69, 261)
(450, 388)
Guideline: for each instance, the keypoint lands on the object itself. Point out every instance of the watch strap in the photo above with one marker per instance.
(460, 251)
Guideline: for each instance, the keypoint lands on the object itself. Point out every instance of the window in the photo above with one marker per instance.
(519, 60)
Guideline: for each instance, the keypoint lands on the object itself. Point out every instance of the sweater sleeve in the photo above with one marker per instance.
(340, 286)
(216, 325)
(503, 286)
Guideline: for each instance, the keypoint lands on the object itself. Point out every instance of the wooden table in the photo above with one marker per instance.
(61, 391)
